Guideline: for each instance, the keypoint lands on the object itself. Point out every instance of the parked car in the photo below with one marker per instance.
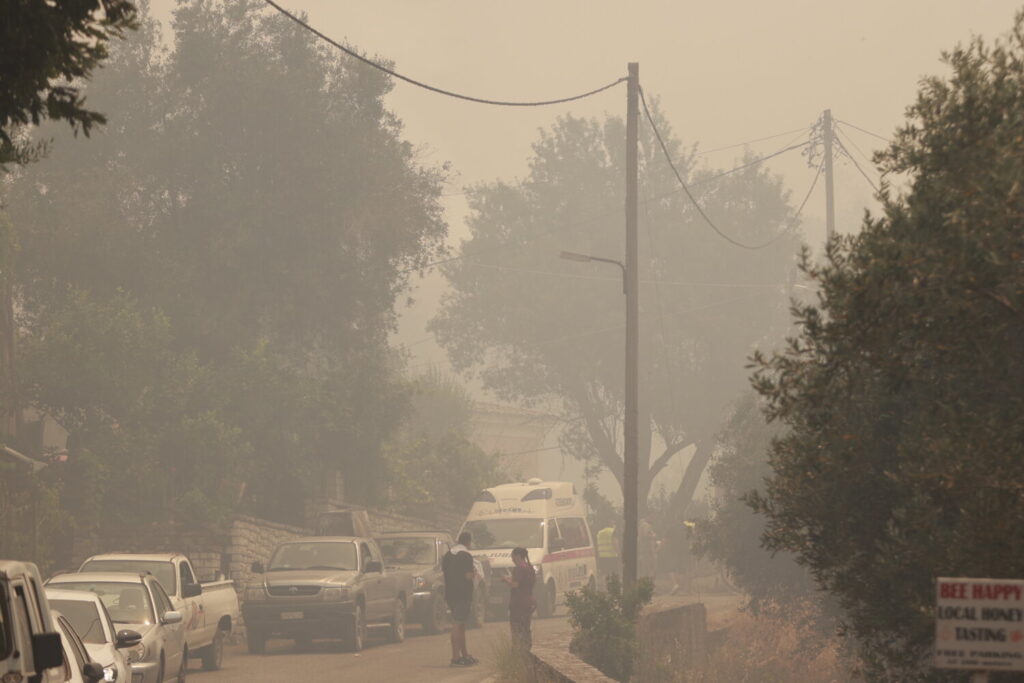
(138, 602)
(78, 665)
(91, 621)
(210, 609)
(420, 553)
(30, 648)
(325, 587)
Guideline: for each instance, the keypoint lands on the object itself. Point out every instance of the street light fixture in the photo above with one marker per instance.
(586, 258)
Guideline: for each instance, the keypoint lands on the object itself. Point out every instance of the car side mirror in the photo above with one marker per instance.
(373, 566)
(191, 590)
(127, 638)
(257, 567)
(92, 672)
(171, 617)
(47, 650)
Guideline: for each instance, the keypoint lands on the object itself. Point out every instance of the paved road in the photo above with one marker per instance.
(419, 659)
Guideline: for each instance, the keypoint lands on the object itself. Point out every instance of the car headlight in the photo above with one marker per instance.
(137, 653)
(335, 593)
(255, 591)
(419, 583)
(537, 568)
(110, 673)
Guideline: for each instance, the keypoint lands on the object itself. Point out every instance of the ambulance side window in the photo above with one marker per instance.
(574, 533)
(554, 537)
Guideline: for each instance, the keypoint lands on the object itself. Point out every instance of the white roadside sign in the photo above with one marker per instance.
(979, 624)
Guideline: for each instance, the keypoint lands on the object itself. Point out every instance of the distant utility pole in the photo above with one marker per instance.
(630, 458)
(830, 207)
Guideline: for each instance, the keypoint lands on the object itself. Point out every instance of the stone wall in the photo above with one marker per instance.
(553, 662)
(386, 521)
(228, 550)
(672, 637)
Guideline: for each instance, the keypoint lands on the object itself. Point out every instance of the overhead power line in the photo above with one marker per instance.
(862, 130)
(693, 200)
(750, 142)
(846, 153)
(856, 147)
(441, 91)
(807, 196)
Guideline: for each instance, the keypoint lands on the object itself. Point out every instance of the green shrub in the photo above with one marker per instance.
(604, 625)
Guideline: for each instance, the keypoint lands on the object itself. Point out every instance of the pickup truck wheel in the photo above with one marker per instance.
(356, 634)
(398, 622)
(256, 641)
(213, 654)
(437, 618)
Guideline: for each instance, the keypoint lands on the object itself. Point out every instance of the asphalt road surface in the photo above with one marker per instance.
(420, 658)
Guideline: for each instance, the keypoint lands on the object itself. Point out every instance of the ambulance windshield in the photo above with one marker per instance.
(506, 533)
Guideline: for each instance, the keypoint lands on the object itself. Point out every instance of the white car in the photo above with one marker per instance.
(139, 603)
(78, 665)
(90, 619)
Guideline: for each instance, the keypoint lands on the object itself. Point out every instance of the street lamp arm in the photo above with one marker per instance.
(584, 258)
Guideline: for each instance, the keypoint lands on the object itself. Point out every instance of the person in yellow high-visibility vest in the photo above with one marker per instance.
(607, 552)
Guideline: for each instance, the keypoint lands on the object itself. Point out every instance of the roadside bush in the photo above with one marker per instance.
(773, 649)
(604, 625)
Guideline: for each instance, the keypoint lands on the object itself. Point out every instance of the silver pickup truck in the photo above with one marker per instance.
(333, 587)
(210, 609)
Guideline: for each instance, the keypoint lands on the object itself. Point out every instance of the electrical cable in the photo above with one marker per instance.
(856, 147)
(862, 130)
(645, 201)
(846, 152)
(807, 196)
(425, 86)
(693, 200)
(755, 162)
(750, 142)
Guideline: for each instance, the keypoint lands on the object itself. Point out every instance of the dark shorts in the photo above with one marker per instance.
(460, 610)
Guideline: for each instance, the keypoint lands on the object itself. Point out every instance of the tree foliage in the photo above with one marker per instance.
(902, 394)
(430, 461)
(540, 330)
(206, 288)
(46, 50)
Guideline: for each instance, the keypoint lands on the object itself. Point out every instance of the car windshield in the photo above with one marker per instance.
(404, 551)
(84, 618)
(506, 533)
(127, 602)
(161, 571)
(316, 555)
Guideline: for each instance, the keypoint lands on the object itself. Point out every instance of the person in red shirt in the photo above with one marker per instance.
(520, 601)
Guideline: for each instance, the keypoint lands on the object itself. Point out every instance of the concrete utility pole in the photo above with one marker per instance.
(830, 207)
(632, 435)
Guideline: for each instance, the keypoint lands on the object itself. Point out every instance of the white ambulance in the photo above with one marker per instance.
(547, 518)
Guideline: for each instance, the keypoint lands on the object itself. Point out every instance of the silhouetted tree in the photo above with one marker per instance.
(901, 396)
(538, 329)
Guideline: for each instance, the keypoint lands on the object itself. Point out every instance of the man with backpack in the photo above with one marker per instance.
(460, 573)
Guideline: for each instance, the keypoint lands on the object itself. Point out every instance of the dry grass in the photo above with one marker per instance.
(512, 666)
(759, 650)
(767, 650)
